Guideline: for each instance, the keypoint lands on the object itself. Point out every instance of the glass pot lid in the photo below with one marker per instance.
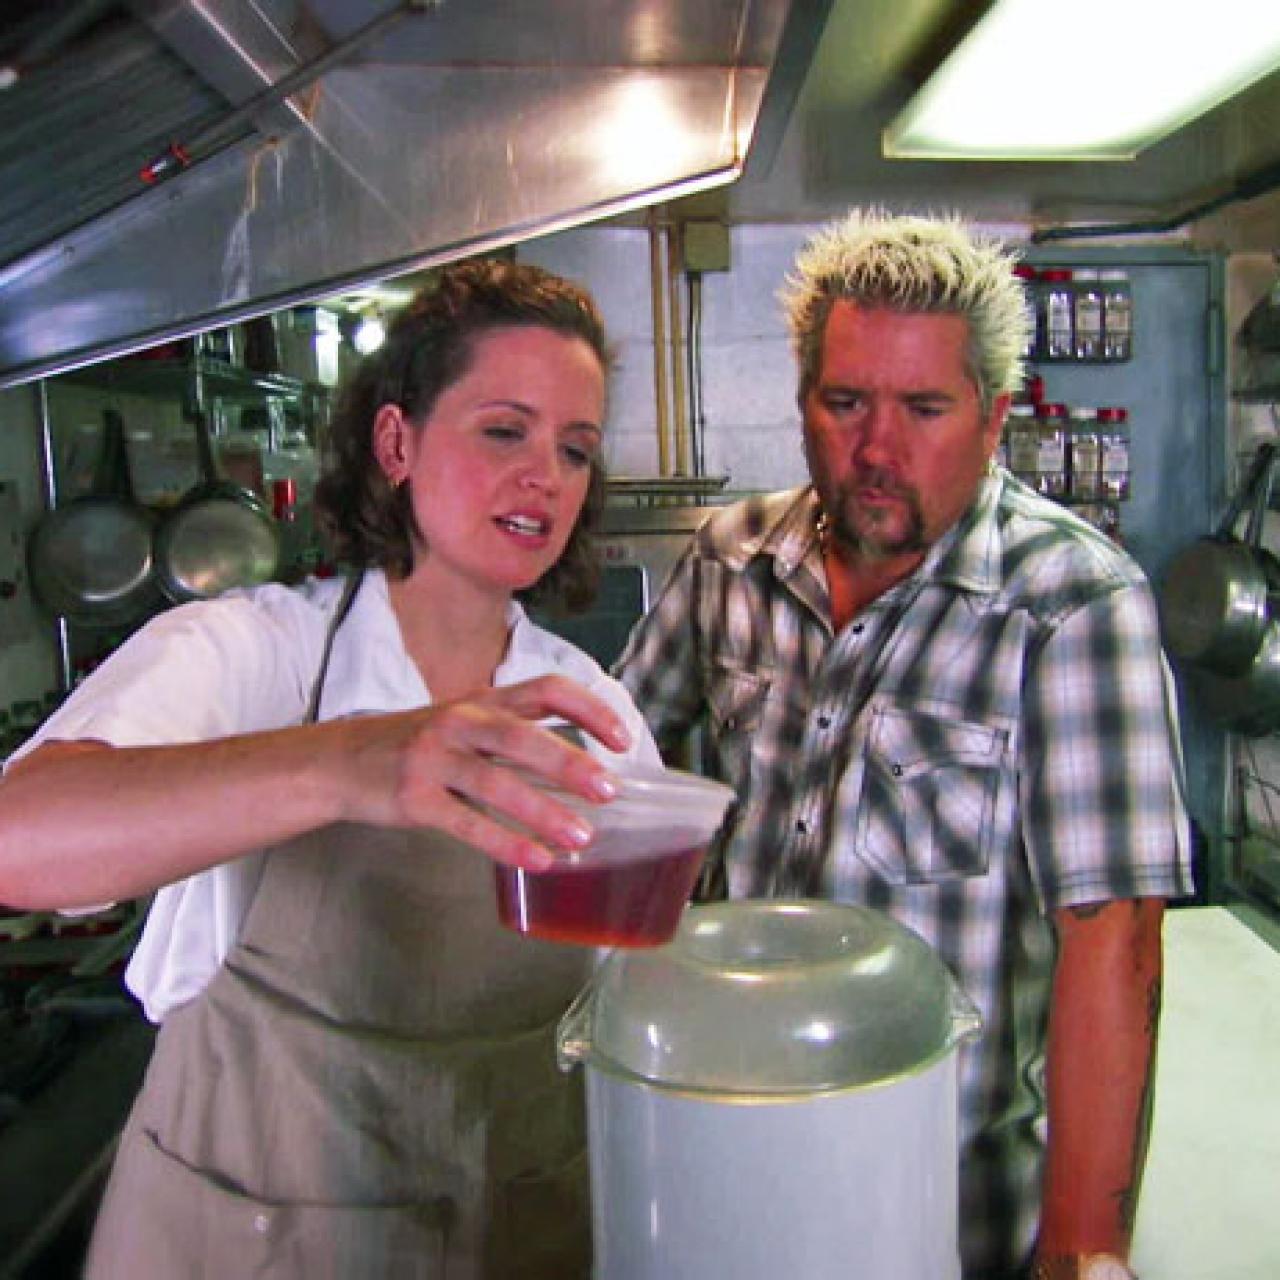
(771, 997)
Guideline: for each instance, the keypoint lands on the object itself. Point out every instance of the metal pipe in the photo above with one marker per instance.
(660, 391)
(1255, 184)
(676, 340)
(182, 155)
(49, 492)
(697, 412)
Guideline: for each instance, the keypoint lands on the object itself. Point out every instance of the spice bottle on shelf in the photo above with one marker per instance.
(1117, 315)
(1057, 308)
(1086, 455)
(1113, 437)
(1022, 443)
(1051, 464)
(1028, 275)
(1087, 315)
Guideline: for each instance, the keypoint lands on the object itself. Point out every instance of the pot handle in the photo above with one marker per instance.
(574, 1034)
(1259, 470)
(966, 1020)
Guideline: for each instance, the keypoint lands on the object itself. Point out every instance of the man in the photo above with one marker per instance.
(942, 696)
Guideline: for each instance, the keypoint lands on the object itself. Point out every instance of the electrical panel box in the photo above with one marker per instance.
(706, 245)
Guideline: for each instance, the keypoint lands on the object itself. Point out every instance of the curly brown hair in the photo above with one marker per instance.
(430, 344)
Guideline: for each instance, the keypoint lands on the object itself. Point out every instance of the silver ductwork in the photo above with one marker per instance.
(296, 150)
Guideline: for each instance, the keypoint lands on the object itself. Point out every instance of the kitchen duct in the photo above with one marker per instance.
(448, 135)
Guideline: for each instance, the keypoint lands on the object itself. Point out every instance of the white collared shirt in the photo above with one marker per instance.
(246, 663)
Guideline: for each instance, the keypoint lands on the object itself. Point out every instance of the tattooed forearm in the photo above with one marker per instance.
(1088, 910)
(1153, 1010)
(1127, 1196)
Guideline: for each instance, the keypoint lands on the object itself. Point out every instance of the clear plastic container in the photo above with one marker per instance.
(773, 1094)
(630, 885)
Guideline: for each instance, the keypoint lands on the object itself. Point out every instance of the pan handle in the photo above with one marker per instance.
(1259, 469)
(113, 479)
(204, 448)
(1262, 496)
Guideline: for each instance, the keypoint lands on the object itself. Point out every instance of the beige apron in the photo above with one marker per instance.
(367, 1087)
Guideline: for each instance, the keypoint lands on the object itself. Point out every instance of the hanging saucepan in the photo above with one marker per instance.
(91, 558)
(218, 537)
(1214, 599)
(1247, 704)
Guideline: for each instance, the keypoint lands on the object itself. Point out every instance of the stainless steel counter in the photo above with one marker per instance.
(1210, 1207)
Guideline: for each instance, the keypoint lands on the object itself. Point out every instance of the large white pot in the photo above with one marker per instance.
(772, 1096)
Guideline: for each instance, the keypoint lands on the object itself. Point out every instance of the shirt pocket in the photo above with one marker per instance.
(931, 804)
(736, 701)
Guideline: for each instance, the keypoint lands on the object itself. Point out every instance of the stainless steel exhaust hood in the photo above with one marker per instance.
(297, 148)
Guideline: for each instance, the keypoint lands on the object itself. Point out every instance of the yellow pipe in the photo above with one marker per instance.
(676, 337)
(660, 392)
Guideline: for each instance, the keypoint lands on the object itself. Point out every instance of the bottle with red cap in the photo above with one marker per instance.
(1051, 434)
(1057, 308)
(1117, 315)
(1087, 315)
(1029, 277)
(1022, 443)
(1086, 455)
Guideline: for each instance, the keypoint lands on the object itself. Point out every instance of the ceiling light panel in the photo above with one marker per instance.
(1086, 80)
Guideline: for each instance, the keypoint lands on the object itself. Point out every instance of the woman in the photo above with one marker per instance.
(354, 1074)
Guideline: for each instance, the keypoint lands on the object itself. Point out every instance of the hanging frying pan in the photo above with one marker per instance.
(219, 536)
(91, 559)
(1215, 596)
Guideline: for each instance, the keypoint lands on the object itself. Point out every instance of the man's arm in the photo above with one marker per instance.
(1101, 1061)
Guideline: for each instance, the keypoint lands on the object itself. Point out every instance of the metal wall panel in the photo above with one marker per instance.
(395, 162)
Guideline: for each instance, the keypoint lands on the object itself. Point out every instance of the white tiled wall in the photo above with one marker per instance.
(748, 380)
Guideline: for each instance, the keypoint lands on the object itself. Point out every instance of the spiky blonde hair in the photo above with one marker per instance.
(912, 264)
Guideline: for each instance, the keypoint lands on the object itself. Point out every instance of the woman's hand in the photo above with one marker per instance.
(83, 823)
(449, 767)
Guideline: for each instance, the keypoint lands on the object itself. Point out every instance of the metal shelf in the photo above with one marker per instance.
(661, 488)
(1264, 393)
(174, 379)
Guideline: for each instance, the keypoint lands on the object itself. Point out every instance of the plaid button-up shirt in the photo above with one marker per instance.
(991, 740)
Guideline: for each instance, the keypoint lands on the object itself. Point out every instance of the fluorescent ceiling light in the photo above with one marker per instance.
(1085, 79)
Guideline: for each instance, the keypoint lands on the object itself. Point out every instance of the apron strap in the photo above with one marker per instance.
(348, 598)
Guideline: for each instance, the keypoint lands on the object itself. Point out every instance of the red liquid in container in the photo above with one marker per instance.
(631, 904)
